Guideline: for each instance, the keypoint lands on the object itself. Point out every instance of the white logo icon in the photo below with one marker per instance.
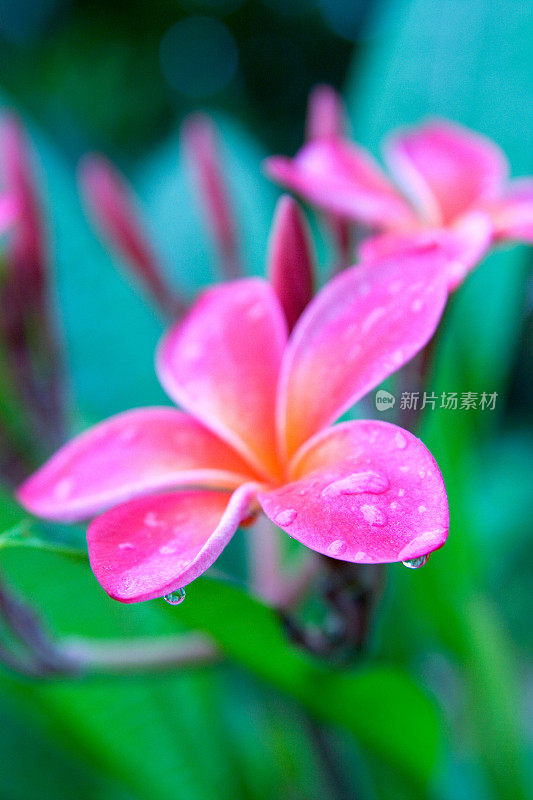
(384, 400)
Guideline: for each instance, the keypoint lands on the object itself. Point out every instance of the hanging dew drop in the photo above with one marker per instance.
(416, 563)
(175, 598)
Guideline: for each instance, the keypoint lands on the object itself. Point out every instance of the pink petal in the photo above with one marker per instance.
(222, 364)
(326, 115)
(446, 169)
(290, 262)
(134, 453)
(513, 215)
(152, 546)
(465, 244)
(200, 144)
(9, 211)
(110, 204)
(365, 491)
(341, 178)
(27, 241)
(365, 324)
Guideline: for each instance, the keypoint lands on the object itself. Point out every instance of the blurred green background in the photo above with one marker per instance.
(440, 704)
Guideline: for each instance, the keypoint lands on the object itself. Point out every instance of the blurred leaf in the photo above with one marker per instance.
(376, 704)
(156, 735)
(30, 753)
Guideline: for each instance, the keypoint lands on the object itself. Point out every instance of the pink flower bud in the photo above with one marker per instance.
(110, 204)
(290, 263)
(200, 145)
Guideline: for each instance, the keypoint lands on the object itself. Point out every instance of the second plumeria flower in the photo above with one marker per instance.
(456, 191)
(257, 436)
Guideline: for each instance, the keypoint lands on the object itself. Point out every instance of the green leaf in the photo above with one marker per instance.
(375, 703)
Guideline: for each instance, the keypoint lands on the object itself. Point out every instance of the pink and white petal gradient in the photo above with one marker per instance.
(154, 545)
(344, 179)
(366, 491)
(222, 363)
(465, 243)
(131, 454)
(513, 214)
(290, 261)
(446, 169)
(364, 325)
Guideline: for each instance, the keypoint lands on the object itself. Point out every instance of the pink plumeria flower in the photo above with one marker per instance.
(456, 185)
(257, 436)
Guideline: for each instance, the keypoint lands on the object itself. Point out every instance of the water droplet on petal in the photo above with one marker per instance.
(286, 517)
(63, 488)
(398, 357)
(373, 515)
(167, 550)
(401, 492)
(337, 547)
(401, 441)
(175, 598)
(422, 473)
(395, 287)
(416, 563)
(151, 519)
(126, 546)
(416, 305)
(421, 509)
(357, 483)
(372, 318)
(257, 311)
(128, 435)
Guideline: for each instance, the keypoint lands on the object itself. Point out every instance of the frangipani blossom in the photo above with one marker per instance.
(456, 191)
(254, 434)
